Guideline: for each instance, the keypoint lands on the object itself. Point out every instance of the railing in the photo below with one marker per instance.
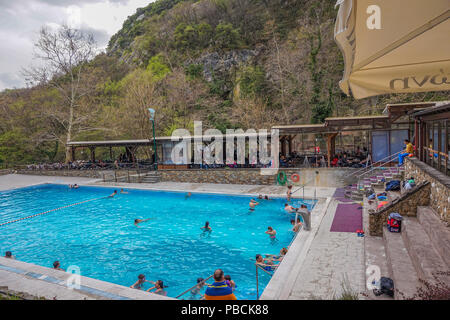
(373, 166)
(201, 282)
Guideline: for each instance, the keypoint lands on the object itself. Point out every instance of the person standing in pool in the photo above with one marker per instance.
(57, 266)
(139, 283)
(8, 255)
(159, 286)
(252, 204)
(272, 233)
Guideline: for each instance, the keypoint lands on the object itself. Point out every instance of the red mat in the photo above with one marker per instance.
(348, 218)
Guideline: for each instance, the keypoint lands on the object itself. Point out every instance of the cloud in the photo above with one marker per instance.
(21, 20)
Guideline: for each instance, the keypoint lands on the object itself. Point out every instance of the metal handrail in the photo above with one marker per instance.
(374, 163)
(202, 282)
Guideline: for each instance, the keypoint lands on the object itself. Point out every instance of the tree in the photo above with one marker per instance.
(64, 56)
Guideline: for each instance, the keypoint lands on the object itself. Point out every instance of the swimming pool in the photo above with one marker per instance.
(101, 239)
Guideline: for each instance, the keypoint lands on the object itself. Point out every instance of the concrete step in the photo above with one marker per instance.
(437, 232)
(400, 265)
(425, 258)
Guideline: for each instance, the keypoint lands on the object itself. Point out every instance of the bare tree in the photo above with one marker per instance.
(64, 55)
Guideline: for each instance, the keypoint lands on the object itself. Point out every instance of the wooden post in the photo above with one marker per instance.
(331, 143)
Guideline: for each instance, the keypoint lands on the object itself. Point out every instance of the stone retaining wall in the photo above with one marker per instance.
(440, 185)
(326, 178)
(406, 205)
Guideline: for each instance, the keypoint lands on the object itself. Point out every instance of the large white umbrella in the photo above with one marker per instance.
(394, 46)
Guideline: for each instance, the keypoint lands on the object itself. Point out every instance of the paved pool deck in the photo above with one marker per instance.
(317, 262)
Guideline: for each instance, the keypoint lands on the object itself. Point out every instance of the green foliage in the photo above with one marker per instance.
(226, 37)
(252, 82)
(194, 71)
(192, 37)
(14, 148)
(158, 67)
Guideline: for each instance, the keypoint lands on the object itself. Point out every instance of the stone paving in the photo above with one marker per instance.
(332, 258)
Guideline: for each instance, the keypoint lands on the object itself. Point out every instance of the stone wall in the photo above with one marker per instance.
(326, 177)
(122, 175)
(406, 205)
(440, 185)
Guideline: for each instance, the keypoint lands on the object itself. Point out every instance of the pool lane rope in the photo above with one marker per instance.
(53, 210)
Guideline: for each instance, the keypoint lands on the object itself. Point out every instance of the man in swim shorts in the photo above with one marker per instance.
(252, 204)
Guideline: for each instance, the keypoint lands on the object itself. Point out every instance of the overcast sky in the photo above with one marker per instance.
(20, 21)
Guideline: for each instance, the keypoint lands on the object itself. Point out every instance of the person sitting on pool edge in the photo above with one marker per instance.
(139, 283)
(159, 286)
(8, 255)
(112, 194)
(219, 290)
(57, 266)
(137, 221)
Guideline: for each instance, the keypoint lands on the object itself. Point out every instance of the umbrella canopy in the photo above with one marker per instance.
(394, 46)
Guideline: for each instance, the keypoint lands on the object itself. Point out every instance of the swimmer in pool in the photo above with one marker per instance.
(57, 266)
(206, 228)
(112, 195)
(137, 221)
(139, 283)
(159, 286)
(272, 233)
(267, 264)
(252, 204)
(290, 209)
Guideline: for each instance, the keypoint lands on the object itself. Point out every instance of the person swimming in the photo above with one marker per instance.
(112, 195)
(137, 221)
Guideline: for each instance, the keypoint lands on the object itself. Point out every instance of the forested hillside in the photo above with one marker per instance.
(229, 63)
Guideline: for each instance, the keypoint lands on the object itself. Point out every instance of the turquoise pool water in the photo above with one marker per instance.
(101, 239)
